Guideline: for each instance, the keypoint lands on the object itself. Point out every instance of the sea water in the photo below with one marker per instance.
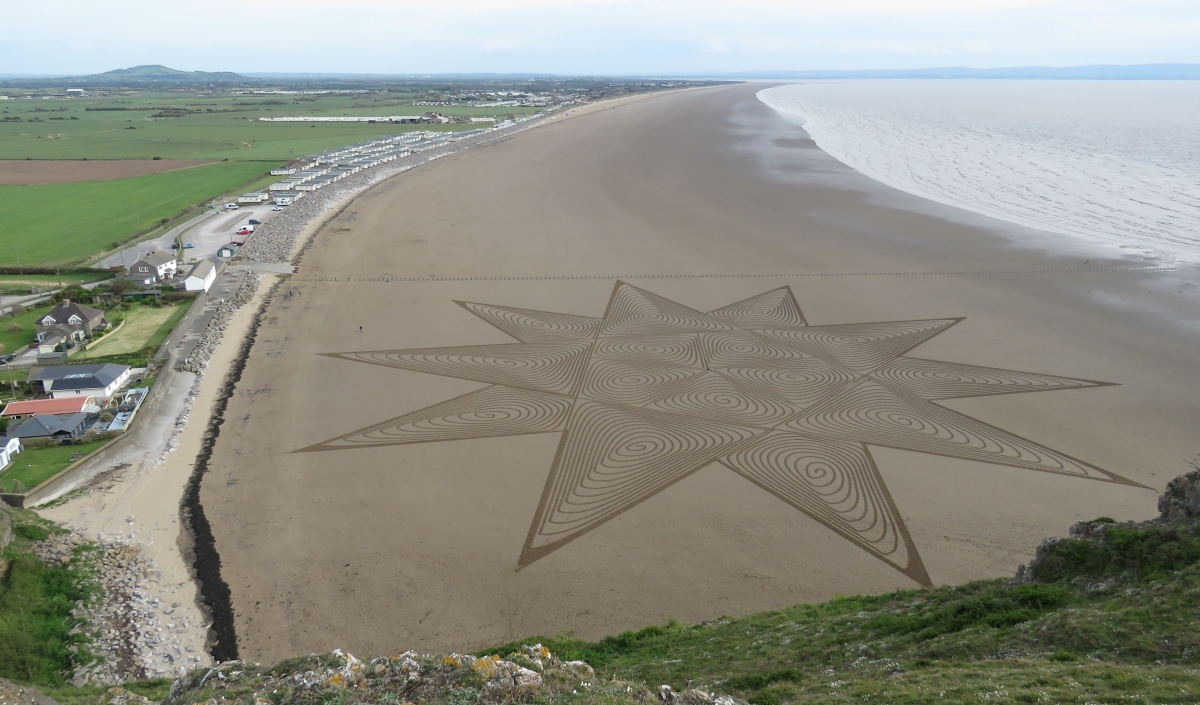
(1113, 162)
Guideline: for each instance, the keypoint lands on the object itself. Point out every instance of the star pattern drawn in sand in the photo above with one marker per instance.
(654, 391)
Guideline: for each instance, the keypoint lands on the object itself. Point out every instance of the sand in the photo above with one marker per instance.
(150, 494)
(62, 171)
(705, 198)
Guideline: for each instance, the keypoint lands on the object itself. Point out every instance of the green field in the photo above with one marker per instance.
(144, 327)
(34, 466)
(26, 282)
(64, 223)
(18, 340)
(66, 129)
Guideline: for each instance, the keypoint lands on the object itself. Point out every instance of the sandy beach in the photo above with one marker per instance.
(138, 504)
(642, 223)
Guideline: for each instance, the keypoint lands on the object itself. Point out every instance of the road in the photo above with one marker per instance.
(208, 231)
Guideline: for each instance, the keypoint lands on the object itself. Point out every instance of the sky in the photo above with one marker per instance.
(610, 37)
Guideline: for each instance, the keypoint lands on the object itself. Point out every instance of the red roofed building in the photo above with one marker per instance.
(46, 407)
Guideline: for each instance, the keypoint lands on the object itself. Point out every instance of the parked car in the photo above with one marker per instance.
(5, 358)
(189, 246)
(245, 231)
(254, 222)
(174, 245)
(239, 243)
(276, 208)
(231, 206)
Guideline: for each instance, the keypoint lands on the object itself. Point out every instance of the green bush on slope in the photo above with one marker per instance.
(36, 641)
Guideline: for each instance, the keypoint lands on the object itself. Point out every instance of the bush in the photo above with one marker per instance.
(125, 305)
(31, 532)
(1145, 552)
(14, 328)
(36, 640)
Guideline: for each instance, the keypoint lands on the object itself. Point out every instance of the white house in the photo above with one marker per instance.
(283, 171)
(158, 266)
(100, 381)
(256, 197)
(10, 447)
(201, 277)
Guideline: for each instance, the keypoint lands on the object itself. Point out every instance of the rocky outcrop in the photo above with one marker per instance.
(1181, 501)
(13, 694)
(122, 619)
(531, 675)
(1102, 548)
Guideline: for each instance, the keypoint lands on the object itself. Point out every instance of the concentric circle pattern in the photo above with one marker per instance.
(492, 411)
(835, 483)
(654, 390)
(613, 458)
(656, 350)
(536, 326)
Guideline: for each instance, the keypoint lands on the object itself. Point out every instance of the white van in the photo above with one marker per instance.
(231, 206)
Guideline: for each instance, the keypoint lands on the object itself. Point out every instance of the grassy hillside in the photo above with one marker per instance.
(1109, 616)
(62, 223)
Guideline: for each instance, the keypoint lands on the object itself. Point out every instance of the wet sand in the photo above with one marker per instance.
(705, 198)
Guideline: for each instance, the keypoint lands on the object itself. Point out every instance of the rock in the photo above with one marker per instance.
(13, 694)
(667, 694)
(5, 528)
(580, 668)
(1181, 501)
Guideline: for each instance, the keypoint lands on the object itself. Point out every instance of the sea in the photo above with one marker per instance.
(1115, 163)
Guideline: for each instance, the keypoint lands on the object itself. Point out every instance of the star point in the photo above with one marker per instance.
(653, 391)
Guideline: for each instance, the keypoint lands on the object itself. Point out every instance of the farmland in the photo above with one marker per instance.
(210, 127)
(26, 283)
(52, 224)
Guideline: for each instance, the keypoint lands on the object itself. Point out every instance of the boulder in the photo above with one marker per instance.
(1181, 501)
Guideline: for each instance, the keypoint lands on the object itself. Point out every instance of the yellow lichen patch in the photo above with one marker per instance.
(453, 661)
(337, 680)
(486, 666)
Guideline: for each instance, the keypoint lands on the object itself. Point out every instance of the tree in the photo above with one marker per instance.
(120, 286)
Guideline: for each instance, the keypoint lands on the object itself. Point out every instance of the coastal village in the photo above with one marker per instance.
(68, 407)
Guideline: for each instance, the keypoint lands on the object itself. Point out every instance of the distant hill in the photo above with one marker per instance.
(158, 74)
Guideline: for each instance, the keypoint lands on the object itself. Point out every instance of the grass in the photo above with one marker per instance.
(33, 466)
(22, 283)
(36, 641)
(63, 223)
(222, 126)
(1100, 631)
(141, 324)
(14, 341)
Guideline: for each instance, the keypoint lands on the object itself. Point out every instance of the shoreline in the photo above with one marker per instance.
(1085, 231)
(529, 226)
(209, 625)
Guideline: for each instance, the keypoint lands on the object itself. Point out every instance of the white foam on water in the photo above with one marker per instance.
(1111, 162)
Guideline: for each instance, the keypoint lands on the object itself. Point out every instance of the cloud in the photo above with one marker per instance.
(596, 36)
